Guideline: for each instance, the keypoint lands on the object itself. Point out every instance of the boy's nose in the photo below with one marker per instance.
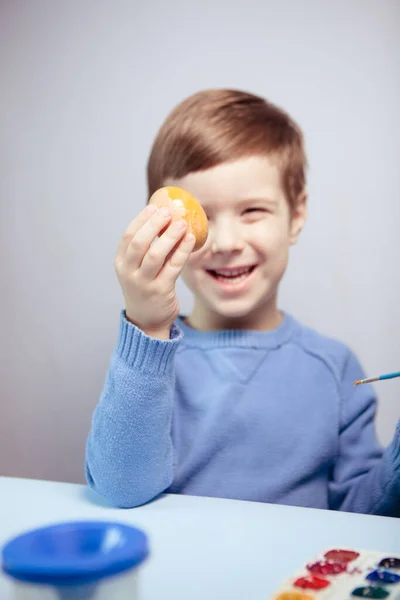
(225, 237)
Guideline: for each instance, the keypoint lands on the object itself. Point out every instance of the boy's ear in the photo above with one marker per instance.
(298, 217)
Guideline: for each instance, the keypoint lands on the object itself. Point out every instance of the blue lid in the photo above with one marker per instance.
(74, 553)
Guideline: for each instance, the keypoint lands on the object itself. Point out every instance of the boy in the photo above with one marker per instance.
(237, 400)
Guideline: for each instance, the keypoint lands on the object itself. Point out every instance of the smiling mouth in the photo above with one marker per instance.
(231, 276)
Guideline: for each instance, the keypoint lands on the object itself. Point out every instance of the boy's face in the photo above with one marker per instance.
(235, 276)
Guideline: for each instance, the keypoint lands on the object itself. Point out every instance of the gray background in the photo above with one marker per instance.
(84, 87)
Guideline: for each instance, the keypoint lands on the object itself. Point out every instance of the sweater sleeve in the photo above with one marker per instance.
(129, 452)
(365, 479)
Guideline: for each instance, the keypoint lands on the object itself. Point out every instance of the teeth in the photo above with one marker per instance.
(232, 272)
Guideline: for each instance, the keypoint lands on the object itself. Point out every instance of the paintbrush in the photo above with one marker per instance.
(372, 379)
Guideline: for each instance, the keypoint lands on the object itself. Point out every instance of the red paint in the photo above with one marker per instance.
(310, 582)
(341, 556)
(327, 567)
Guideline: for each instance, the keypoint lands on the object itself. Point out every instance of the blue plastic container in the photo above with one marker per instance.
(89, 560)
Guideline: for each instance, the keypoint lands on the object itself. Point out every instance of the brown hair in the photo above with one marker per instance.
(217, 126)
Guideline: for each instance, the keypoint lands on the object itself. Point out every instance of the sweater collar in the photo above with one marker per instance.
(241, 338)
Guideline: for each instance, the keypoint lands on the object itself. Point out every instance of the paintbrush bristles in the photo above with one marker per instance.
(371, 380)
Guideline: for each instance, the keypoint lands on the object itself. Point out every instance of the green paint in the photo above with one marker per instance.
(377, 593)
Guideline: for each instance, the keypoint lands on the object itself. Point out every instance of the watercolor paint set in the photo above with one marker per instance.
(344, 574)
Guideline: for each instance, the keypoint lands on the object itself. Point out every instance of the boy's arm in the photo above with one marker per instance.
(129, 453)
(365, 479)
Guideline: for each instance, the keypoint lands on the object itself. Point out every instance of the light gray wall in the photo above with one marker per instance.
(84, 87)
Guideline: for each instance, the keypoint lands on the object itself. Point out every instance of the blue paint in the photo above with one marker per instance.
(381, 576)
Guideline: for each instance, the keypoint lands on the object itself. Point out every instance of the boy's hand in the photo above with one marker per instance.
(147, 271)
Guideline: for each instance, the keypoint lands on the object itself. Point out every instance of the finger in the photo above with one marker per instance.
(145, 236)
(159, 252)
(134, 227)
(174, 265)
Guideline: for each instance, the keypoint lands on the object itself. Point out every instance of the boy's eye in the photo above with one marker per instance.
(254, 210)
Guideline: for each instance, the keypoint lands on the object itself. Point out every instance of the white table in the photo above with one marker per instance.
(202, 548)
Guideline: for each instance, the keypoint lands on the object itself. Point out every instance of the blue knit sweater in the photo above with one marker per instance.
(264, 416)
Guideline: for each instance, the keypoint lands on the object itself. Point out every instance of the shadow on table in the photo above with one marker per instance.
(92, 497)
